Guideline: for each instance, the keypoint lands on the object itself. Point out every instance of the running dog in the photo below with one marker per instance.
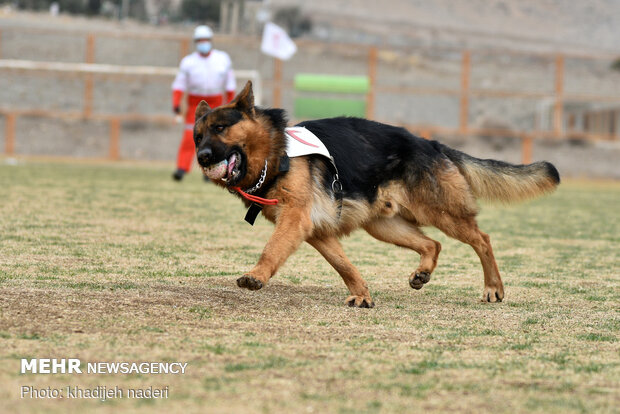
(369, 175)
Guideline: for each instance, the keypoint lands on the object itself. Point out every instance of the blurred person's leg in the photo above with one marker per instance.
(187, 149)
(185, 156)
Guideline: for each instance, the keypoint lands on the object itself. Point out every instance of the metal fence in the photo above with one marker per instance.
(431, 92)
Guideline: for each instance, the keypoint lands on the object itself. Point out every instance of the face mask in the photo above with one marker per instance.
(203, 47)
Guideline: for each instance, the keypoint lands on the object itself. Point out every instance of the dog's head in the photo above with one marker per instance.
(234, 141)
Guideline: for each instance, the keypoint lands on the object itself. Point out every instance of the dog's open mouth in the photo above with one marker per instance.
(225, 170)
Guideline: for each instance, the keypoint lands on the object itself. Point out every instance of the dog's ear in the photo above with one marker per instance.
(202, 109)
(245, 100)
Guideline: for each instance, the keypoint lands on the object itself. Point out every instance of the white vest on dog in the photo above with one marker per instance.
(300, 141)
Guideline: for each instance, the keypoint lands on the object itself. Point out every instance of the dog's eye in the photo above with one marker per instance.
(219, 128)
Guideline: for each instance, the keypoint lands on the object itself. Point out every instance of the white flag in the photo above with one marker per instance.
(277, 43)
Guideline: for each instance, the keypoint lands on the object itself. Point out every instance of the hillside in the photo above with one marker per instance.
(530, 24)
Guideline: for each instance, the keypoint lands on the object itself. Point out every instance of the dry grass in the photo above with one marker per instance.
(118, 263)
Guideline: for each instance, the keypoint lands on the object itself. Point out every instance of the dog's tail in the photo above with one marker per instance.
(501, 181)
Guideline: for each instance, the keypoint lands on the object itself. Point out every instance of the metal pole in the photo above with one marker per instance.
(559, 92)
(90, 48)
(277, 83)
(9, 134)
(115, 132)
(526, 149)
(184, 48)
(88, 79)
(372, 77)
(464, 104)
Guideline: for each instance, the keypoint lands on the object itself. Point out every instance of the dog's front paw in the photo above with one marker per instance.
(248, 282)
(359, 301)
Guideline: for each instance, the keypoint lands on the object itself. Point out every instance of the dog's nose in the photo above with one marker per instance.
(204, 156)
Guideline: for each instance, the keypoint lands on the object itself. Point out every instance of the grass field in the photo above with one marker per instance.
(119, 263)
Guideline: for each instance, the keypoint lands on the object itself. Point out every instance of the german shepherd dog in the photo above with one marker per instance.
(391, 183)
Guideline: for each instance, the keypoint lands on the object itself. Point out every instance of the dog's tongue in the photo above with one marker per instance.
(231, 164)
(216, 171)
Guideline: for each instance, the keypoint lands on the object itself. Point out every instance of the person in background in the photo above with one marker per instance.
(207, 75)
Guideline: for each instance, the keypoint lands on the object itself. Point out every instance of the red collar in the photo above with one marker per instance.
(255, 199)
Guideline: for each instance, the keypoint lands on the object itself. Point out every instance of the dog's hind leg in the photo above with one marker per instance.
(465, 229)
(398, 231)
(331, 250)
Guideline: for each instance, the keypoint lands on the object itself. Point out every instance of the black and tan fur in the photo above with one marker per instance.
(393, 183)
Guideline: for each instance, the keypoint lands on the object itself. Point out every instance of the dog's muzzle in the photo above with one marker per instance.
(225, 170)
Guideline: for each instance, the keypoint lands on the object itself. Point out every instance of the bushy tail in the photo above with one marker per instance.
(501, 181)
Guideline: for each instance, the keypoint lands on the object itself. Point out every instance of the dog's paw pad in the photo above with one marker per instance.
(359, 302)
(248, 282)
(419, 279)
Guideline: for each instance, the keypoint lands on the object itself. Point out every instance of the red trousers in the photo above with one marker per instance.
(187, 149)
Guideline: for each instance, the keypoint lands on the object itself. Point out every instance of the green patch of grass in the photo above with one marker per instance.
(99, 286)
(589, 368)
(491, 332)
(555, 404)
(313, 396)
(521, 346)
(467, 331)
(4, 276)
(29, 336)
(523, 305)
(56, 339)
(575, 290)
(216, 273)
(296, 280)
(535, 285)
(360, 341)
(421, 367)
(202, 311)
(252, 344)
(212, 383)
(417, 389)
(153, 329)
(613, 325)
(597, 337)
(46, 277)
(217, 349)
(269, 363)
(560, 359)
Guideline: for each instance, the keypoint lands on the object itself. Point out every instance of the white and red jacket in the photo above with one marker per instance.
(210, 78)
